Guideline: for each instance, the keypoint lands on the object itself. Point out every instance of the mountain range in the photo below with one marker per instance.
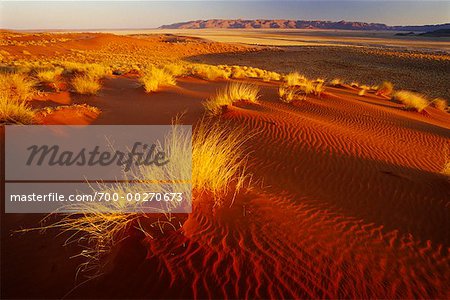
(299, 24)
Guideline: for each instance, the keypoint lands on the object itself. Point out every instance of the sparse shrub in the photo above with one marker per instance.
(14, 111)
(232, 93)
(17, 86)
(86, 85)
(154, 78)
(439, 103)
(385, 89)
(411, 100)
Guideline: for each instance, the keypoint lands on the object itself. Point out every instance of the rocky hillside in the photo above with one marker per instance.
(300, 24)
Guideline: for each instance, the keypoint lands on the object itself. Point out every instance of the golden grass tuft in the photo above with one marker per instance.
(176, 69)
(218, 170)
(337, 82)
(298, 87)
(95, 71)
(154, 78)
(411, 100)
(210, 72)
(14, 111)
(86, 85)
(17, 86)
(385, 89)
(363, 89)
(294, 79)
(287, 94)
(49, 76)
(234, 92)
(440, 104)
(222, 149)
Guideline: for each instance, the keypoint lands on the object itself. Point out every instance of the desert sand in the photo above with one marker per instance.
(348, 197)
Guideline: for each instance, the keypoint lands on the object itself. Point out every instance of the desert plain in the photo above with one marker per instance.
(335, 146)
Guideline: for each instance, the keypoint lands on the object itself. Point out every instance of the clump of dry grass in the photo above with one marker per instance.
(218, 170)
(232, 93)
(86, 85)
(17, 86)
(385, 89)
(15, 111)
(287, 94)
(95, 71)
(154, 78)
(223, 150)
(49, 76)
(298, 87)
(337, 82)
(210, 72)
(176, 69)
(363, 90)
(294, 79)
(411, 100)
(439, 103)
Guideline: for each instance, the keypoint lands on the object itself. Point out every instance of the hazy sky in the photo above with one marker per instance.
(150, 14)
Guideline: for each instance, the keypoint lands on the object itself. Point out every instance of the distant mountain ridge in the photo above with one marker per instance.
(299, 24)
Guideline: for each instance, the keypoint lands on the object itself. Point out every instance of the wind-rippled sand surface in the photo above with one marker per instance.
(352, 205)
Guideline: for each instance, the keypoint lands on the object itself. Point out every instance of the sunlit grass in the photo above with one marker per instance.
(17, 86)
(209, 72)
(440, 104)
(49, 76)
(411, 100)
(385, 89)
(176, 69)
(154, 78)
(337, 82)
(218, 171)
(287, 94)
(86, 85)
(294, 79)
(298, 87)
(14, 111)
(232, 93)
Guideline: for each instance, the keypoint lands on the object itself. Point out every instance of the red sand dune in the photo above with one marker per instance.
(350, 202)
